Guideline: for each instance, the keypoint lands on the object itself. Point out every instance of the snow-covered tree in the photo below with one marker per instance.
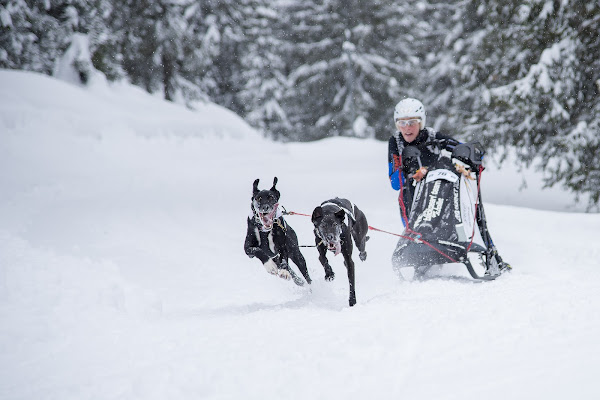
(263, 75)
(527, 80)
(220, 22)
(17, 41)
(158, 42)
(512, 74)
(35, 34)
(345, 67)
(444, 46)
(145, 47)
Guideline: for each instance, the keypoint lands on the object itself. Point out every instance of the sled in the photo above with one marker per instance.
(447, 223)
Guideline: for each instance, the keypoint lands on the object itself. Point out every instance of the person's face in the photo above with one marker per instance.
(409, 128)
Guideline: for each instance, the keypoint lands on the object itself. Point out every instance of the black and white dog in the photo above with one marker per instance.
(333, 234)
(270, 238)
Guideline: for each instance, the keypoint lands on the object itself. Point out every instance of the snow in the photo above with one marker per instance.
(539, 75)
(78, 53)
(123, 275)
(5, 18)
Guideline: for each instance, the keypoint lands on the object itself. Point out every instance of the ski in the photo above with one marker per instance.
(490, 275)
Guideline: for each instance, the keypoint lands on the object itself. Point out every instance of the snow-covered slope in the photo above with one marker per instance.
(122, 272)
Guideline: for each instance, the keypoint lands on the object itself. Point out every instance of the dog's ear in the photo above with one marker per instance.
(317, 215)
(275, 190)
(340, 215)
(255, 188)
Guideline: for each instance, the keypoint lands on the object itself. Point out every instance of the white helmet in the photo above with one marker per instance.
(410, 108)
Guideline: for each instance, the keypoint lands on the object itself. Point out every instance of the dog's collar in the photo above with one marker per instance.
(277, 221)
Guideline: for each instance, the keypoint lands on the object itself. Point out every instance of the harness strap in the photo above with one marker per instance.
(278, 221)
(348, 212)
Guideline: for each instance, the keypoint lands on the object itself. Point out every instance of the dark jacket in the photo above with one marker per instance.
(430, 143)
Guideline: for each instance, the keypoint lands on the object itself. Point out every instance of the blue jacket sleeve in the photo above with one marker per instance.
(394, 177)
(393, 161)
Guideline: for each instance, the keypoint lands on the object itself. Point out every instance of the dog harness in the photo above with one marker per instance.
(348, 212)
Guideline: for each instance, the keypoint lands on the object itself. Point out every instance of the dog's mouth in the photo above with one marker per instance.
(335, 247)
(267, 217)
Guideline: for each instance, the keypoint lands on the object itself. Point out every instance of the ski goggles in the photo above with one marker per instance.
(401, 123)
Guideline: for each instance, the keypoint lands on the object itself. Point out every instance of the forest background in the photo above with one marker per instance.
(522, 77)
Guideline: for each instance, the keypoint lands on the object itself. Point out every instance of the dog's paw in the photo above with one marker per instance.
(352, 301)
(285, 274)
(362, 255)
(329, 276)
(271, 267)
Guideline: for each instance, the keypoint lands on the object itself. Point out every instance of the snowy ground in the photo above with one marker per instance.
(122, 272)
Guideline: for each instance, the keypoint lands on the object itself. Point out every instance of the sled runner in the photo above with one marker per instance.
(447, 222)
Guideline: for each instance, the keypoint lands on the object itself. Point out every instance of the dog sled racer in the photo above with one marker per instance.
(410, 118)
(440, 198)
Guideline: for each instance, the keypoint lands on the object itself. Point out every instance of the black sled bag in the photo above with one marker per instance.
(441, 223)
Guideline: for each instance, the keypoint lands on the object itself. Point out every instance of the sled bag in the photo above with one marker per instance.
(443, 215)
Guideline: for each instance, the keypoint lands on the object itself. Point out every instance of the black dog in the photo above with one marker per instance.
(271, 239)
(331, 233)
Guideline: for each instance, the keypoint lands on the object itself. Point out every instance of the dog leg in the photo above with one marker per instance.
(295, 253)
(284, 273)
(360, 244)
(287, 273)
(329, 274)
(351, 280)
(359, 233)
(299, 260)
(362, 255)
(271, 267)
(347, 253)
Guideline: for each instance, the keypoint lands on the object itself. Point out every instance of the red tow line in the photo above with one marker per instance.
(395, 234)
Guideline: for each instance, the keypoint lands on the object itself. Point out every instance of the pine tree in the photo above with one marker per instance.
(34, 36)
(36, 33)
(157, 42)
(221, 22)
(526, 79)
(16, 39)
(140, 42)
(445, 46)
(344, 65)
(263, 75)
